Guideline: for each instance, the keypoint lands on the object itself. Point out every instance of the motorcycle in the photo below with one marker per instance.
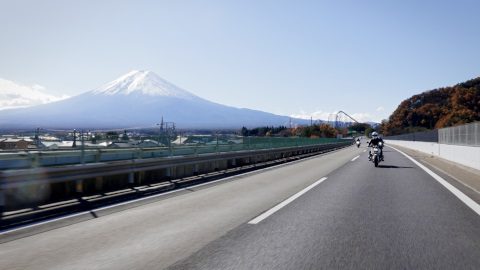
(358, 144)
(375, 154)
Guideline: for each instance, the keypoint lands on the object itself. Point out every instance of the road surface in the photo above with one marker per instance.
(348, 215)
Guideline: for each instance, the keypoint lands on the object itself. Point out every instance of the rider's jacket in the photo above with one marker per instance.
(375, 141)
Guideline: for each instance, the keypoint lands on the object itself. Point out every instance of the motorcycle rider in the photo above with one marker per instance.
(357, 141)
(375, 141)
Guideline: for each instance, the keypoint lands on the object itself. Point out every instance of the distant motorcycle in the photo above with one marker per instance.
(358, 144)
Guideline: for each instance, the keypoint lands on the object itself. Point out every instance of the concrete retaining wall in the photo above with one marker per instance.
(465, 155)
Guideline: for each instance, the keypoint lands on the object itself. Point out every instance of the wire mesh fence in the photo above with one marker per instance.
(468, 135)
(424, 136)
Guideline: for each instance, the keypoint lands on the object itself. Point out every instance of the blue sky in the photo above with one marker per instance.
(286, 57)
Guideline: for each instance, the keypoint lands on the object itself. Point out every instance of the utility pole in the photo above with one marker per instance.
(74, 138)
(37, 137)
(159, 134)
(83, 147)
(162, 131)
(161, 125)
(170, 144)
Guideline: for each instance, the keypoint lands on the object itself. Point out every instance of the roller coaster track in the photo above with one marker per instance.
(342, 118)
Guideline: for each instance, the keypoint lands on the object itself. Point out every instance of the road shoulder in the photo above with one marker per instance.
(466, 179)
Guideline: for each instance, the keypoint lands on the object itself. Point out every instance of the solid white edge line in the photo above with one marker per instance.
(464, 198)
(285, 202)
(455, 178)
(156, 195)
(355, 158)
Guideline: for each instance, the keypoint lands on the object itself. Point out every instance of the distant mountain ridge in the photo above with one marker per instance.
(138, 99)
(437, 108)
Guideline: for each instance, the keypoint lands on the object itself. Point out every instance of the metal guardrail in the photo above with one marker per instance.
(33, 159)
(38, 208)
(17, 178)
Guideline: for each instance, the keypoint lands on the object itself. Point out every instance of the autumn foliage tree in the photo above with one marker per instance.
(321, 131)
(437, 108)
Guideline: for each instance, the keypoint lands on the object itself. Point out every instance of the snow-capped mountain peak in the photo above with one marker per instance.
(143, 82)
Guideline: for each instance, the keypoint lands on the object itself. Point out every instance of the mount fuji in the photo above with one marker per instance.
(135, 100)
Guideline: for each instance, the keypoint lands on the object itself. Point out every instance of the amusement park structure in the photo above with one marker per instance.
(341, 119)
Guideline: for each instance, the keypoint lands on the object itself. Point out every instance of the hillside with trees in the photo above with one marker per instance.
(438, 108)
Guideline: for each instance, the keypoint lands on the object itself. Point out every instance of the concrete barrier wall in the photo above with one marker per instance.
(465, 155)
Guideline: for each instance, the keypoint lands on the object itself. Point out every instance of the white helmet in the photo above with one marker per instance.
(374, 134)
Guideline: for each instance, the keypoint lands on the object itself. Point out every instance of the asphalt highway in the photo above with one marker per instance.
(334, 211)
